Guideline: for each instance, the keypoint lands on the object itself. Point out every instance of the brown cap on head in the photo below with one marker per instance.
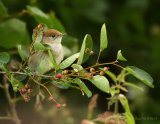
(52, 32)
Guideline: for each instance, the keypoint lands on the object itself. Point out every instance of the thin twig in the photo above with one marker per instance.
(11, 104)
(6, 118)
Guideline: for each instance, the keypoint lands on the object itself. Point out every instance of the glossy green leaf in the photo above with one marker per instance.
(23, 52)
(120, 56)
(141, 75)
(60, 84)
(83, 87)
(103, 38)
(37, 37)
(69, 61)
(3, 10)
(124, 102)
(39, 15)
(132, 85)
(111, 75)
(4, 58)
(85, 48)
(16, 84)
(101, 83)
(55, 65)
(13, 33)
(56, 24)
(77, 67)
(67, 51)
(68, 40)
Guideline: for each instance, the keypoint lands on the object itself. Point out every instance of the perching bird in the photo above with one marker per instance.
(40, 61)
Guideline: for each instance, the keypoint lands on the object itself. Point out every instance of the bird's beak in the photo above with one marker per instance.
(64, 34)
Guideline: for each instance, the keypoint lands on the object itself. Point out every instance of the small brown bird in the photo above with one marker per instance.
(39, 61)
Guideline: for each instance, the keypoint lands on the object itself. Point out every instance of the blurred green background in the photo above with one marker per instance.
(133, 26)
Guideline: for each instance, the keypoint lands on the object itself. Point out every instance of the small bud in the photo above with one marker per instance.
(58, 105)
(26, 86)
(90, 75)
(29, 91)
(105, 68)
(87, 50)
(92, 69)
(59, 76)
(22, 91)
(65, 72)
(91, 53)
(101, 73)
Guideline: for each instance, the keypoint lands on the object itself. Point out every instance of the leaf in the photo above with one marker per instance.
(56, 24)
(4, 58)
(55, 65)
(68, 40)
(141, 75)
(60, 84)
(129, 84)
(3, 10)
(67, 51)
(101, 83)
(23, 52)
(87, 44)
(13, 32)
(16, 84)
(120, 56)
(103, 38)
(83, 87)
(67, 62)
(37, 37)
(39, 15)
(77, 67)
(111, 75)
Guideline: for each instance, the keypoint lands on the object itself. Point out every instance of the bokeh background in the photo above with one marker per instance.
(132, 25)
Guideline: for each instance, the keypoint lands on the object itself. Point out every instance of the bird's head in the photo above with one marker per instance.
(52, 36)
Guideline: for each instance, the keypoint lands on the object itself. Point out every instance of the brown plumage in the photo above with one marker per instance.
(52, 32)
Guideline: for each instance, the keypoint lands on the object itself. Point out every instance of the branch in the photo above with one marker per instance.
(13, 111)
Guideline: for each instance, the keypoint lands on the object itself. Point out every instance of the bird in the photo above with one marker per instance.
(40, 62)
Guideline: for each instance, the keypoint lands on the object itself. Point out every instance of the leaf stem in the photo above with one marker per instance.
(98, 57)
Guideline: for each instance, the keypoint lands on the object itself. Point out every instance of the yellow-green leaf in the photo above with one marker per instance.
(103, 38)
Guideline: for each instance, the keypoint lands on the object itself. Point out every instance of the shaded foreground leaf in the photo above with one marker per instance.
(101, 83)
(83, 87)
(141, 75)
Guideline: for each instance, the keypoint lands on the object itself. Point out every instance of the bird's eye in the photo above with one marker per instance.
(53, 36)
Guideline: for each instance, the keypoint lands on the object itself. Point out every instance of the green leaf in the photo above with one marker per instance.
(3, 10)
(37, 37)
(67, 62)
(60, 84)
(120, 56)
(111, 75)
(68, 40)
(39, 15)
(129, 84)
(101, 83)
(77, 67)
(56, 24)
(141, 75)
(4, 58)
(124, 102)
(83, 87)
(13, 32)
(23, 52)
(16, 85)
(55, 65)
(86, 46)
(103, 38)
